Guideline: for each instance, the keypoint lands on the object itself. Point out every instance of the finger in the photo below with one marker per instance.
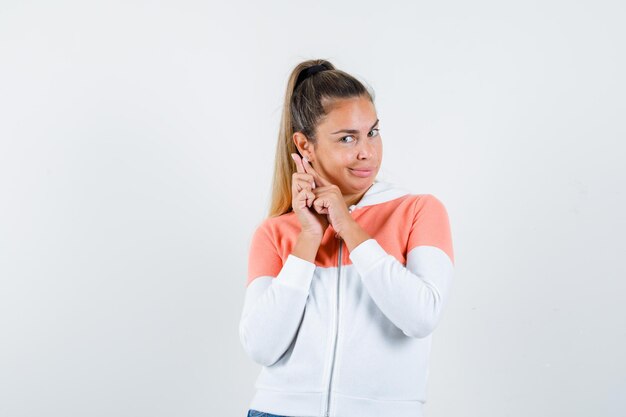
(320, 205)
(319, 181)
(302, 186)
(308, 178)
(297, 186)
(303, 183)
(307, 197)
(306, 161)
(301, 199)
(296, 158)
(304, 177)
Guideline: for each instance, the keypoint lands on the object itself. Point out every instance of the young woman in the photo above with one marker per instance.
(349, 275)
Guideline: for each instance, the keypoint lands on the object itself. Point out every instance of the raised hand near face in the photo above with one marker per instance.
(329, 201)
(302, 184)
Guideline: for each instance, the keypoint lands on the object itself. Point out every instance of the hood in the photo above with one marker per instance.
(380, 192)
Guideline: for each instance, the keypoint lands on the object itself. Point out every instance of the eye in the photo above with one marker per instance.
(342, 139)
(377, 131)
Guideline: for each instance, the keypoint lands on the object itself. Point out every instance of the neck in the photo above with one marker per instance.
(351, 199)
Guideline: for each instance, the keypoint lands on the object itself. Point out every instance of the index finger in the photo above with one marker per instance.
(319, 180)
(298, 162)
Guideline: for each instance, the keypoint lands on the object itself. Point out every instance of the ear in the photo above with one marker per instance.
(304, 146)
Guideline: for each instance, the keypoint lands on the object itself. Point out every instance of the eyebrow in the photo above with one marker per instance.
(353, 130)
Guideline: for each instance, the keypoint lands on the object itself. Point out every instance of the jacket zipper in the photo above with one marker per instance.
(332, 364)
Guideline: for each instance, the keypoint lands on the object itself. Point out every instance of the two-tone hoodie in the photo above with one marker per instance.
(350, 334)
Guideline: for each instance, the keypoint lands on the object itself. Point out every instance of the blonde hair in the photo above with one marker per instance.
(303, 108)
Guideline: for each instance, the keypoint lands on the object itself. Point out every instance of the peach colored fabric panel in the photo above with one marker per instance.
(398, 226)
(274, 240)
(388, 223)
(431, 226)
(263, 259)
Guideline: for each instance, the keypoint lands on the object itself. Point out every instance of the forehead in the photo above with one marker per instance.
(351, 113)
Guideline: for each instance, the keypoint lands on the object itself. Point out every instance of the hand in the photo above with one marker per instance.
(302, 197)
(329, 200)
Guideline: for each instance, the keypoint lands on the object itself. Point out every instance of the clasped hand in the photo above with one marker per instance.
(311, 190)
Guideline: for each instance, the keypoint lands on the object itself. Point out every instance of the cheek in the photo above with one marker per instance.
(339, 159)
(348, 159)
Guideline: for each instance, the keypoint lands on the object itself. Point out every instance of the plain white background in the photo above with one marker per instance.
(136, 153)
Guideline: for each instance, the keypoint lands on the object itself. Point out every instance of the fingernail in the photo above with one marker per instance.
(306, 159)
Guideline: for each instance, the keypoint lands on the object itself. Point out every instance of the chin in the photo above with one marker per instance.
(360, 184)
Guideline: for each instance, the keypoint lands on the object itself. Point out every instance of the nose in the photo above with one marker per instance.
(366, 150)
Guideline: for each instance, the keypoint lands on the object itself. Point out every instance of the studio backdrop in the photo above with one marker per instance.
(137, 143)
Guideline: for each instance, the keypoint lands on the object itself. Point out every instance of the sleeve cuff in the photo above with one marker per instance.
(296, 273)
(366, 255)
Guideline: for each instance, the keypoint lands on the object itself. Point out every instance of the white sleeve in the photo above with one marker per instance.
(273, 310)
(411, 297)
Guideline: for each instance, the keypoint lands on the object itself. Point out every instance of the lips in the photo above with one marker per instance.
(362, 172)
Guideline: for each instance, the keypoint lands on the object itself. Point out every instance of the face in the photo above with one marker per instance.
(349, 149)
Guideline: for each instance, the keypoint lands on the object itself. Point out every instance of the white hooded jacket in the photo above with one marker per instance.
(349, 335)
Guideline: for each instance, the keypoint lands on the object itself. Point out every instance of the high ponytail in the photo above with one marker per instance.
(304, 106)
